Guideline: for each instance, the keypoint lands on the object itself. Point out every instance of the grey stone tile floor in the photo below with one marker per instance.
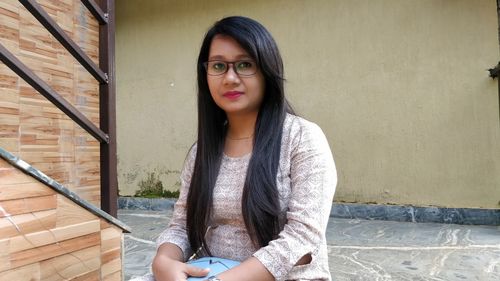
(363, 249)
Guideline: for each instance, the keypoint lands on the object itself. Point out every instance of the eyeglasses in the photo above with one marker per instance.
(242, 67)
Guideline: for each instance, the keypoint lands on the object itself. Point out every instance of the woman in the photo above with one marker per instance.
(258, 185)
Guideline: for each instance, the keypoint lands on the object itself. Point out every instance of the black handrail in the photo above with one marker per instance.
(43, 88)
(103, 11)
(96, 11)
(107, 105)
(37, 11)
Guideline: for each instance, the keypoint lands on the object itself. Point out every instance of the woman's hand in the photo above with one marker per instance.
(167, 269)
(168, 266)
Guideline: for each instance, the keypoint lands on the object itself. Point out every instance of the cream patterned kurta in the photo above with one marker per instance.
(306, 183)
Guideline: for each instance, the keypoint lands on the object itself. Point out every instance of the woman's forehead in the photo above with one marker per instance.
(225, 47)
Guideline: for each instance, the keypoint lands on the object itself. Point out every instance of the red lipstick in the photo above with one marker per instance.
(232, 95)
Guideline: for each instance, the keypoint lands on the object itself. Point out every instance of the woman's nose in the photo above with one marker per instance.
(231, 76)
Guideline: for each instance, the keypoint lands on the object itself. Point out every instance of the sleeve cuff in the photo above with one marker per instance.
(183, 244)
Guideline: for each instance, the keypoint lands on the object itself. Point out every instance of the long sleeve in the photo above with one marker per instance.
(313, 181)
(176, 231)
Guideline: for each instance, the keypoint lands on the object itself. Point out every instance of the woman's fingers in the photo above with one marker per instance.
(196, 271)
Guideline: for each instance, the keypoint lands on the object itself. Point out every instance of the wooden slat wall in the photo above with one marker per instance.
(30, 126)
(46, 236)
(111, 253)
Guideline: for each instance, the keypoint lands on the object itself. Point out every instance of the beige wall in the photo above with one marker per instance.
(399, 87)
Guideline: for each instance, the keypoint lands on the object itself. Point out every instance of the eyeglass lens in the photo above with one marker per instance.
(244, 67)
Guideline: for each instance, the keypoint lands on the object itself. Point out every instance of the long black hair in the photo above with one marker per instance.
(260, 202)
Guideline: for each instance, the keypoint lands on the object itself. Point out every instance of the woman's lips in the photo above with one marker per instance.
(232, 95)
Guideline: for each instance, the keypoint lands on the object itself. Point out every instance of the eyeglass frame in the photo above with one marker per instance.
(228, 63)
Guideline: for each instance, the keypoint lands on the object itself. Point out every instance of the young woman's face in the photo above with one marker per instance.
(232, 92)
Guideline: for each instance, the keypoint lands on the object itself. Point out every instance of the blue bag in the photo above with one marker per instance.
(216, 265)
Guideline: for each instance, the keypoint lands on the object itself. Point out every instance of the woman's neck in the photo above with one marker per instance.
(241, 126)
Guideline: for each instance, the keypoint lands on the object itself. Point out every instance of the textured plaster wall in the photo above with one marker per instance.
(399, 87)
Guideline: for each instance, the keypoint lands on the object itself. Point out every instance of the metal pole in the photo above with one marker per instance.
(107, 104)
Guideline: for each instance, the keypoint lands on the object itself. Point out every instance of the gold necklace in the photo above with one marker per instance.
(244, 138)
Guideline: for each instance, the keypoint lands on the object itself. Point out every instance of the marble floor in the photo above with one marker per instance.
(363, 249)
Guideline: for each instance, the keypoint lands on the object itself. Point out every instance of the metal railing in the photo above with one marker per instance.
(103, 11)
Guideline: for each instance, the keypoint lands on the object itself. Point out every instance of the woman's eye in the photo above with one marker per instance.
(219, 66)
(244, 65)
